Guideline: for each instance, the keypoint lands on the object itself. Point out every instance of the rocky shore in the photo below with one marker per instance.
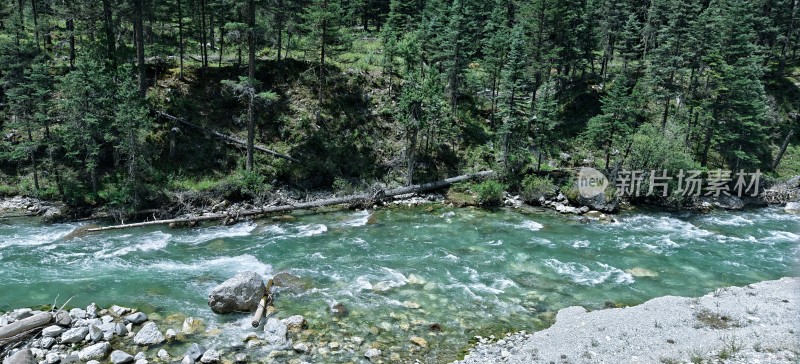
(757, 323)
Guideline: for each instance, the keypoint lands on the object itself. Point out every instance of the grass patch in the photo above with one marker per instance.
(713, 320)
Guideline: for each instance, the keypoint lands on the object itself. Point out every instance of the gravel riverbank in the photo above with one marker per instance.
(758, 323)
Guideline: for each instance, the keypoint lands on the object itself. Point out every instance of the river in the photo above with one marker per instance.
(399, 271)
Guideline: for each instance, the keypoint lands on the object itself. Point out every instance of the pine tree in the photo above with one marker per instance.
(513, 110)
(322, 21)
(495, 50)
(545, 119)
(131, 124)
(608, 129)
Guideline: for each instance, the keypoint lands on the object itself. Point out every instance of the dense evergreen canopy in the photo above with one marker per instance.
(393, 91)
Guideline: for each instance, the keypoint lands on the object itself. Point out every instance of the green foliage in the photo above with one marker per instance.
(490, 192)
(534, 187)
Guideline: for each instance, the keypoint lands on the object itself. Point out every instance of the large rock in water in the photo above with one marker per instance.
(792, 207)
(600, 203)
(238, 294)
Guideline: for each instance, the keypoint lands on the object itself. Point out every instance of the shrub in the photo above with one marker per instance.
(490, 192)
(534, 187)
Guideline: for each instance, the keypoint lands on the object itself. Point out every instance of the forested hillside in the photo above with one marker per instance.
(361, 92)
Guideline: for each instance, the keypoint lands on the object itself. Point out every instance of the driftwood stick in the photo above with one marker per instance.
(364, 197)
(262, 305)
(23, 328)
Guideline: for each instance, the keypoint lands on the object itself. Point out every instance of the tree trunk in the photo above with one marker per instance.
(359, 198)
(706, 145)
(324, 27)
(139, 34)
(203, 40)
(251, 58)
(33, 161)
(111, 48)
(279, 26)
(211, 30)
(21, 13)
(18, 330)
(71, 31)
(227, 138)
(180, 38)
(221, 37)
(782, 150)
(35, 21)
(410, 155)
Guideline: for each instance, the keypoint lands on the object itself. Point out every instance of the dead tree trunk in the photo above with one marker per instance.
(359, 198)
(226, 138)
(782, 150)
(23, 328)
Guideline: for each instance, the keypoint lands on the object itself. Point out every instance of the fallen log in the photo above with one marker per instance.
(225, 137)
(358, 198)
(262, 305)
(21, 329)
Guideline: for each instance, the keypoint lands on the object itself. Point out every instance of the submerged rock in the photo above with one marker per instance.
(210, 356)
(192, 325)
(339, 310)
(419, 341)
(372, 354)
(275, 332)
(641, 272)
(291, 282)
(238, 294)
(295, 323)
(195, 352)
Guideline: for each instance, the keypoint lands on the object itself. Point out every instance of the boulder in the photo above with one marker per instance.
(95, 352)
(295, 323)
(195, 352)
(192, 325)
(47, 342)
(52, 331)
(149, 335)
(74, 335)
(163, 355)
(238, 294)
(275, 333)
(136, 318)
(77, 313)
(121, 357)
(792, 207)
(119, 310)
(62, 318)
(210, 356)
(722, 201)
(91, 310)
(24, 356)
(95, 334)
(52, 358)
(600, 203)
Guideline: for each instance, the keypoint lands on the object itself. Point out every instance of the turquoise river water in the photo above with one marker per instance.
(399, 271)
